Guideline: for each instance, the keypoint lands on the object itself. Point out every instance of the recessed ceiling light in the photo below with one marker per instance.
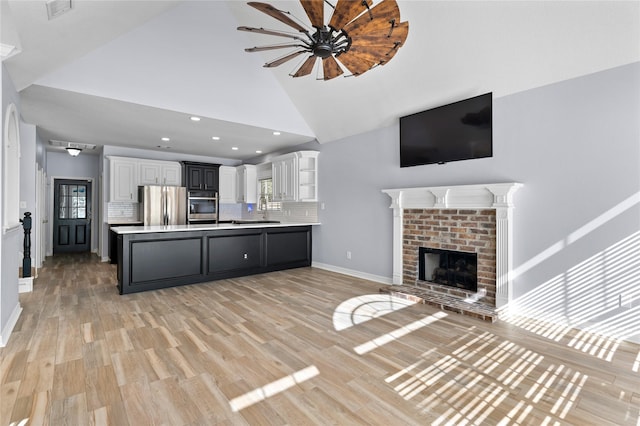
(258, 152)
(215, 138)
(276, 133)
(235, 148)
(165, 139)
(194, 118)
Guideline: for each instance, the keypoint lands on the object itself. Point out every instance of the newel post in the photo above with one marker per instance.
(26, 259)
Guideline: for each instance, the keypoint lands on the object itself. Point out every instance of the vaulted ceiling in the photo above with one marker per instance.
(127, 73)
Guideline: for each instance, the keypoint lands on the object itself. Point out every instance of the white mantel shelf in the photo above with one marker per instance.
(498, 196)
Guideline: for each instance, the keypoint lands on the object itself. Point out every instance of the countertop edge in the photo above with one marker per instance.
(205, 227)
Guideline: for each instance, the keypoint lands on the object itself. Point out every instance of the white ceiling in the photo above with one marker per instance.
(126, 73)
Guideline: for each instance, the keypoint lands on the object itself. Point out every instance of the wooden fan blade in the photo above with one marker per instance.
(346, 11)
(396, 34)
(315, 11)
(306, 67)
(284, 59)
(389, 55)
(355, 65)
(383, 14)
(279, 15)
(372, 56)
(272, 47)
(268, 32)
(330, 68)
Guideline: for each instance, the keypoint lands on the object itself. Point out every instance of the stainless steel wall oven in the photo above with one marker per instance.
(202, 207)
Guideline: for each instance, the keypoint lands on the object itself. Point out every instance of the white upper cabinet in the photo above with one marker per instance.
(295, 176)
(123, 179)
(284, 178)
(152, 172)
(126, 174)
(172, 174)
(227, 185)
(247, 184)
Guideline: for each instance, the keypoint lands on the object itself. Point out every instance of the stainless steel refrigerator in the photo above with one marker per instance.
(163, 205)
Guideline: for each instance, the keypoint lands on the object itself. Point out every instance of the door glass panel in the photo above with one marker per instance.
(72, 201)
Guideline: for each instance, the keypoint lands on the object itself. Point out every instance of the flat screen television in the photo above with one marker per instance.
(458, 131)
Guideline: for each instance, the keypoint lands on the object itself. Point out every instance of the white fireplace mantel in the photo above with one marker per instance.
(498, 196)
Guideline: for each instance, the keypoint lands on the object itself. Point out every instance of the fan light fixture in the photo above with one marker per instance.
(359, 36)
(74, 152)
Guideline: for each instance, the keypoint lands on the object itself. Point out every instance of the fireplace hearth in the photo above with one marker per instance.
(448, 267)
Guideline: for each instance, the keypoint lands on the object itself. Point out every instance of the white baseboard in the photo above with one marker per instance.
(6, 331)
(353, 273)
(25, 285)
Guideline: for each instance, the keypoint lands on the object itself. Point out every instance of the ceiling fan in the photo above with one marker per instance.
(358, 35)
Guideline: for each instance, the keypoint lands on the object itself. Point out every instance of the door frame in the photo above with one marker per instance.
(50, 202)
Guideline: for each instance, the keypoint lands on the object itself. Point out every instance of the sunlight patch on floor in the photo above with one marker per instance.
(397, 333)
(273, 388)
(484, 375)
(366, 307)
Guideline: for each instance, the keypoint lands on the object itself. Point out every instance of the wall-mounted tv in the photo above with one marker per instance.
(458, 131)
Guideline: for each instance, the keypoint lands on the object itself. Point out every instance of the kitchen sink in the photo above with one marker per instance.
(249, 221)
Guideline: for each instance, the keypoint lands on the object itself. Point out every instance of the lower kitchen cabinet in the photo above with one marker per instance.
(287, 245)
(154, 260)
(234, 252)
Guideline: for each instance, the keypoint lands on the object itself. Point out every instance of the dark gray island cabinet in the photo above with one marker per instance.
(153, 260)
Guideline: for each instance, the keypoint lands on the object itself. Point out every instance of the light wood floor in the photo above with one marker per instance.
(284, 349)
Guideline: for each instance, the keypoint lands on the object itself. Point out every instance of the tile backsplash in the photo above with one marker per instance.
(122, 211)
(291, 212)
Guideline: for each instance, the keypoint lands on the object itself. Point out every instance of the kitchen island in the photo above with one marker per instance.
(154, 257)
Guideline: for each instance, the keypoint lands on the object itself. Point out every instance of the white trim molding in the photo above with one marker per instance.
(11, 323)
(25, 284)
(498, 196)
(352, 272)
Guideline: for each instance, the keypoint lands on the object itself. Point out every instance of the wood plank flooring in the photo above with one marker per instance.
(298, 347)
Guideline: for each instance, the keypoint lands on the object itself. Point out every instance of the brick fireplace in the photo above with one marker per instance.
(465, 218)
(463, 230)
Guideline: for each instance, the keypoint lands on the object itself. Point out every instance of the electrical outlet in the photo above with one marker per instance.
(348, 255)
(321, 206)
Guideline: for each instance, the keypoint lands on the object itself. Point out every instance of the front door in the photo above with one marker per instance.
(72, 216)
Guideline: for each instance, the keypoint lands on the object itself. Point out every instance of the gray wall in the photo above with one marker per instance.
(84, 166)
(11, 242)
(575, 146)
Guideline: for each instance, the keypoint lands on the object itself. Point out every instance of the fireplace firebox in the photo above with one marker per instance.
(451, 268)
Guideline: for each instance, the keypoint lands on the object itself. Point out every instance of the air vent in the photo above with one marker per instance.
(65, 144)
(56, 8)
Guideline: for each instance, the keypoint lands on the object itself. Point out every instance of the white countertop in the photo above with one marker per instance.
(202, 227)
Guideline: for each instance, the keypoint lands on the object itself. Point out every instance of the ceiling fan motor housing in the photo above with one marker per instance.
(325, 43)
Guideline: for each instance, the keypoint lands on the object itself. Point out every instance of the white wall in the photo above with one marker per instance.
(28, 168)
(575, 146)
